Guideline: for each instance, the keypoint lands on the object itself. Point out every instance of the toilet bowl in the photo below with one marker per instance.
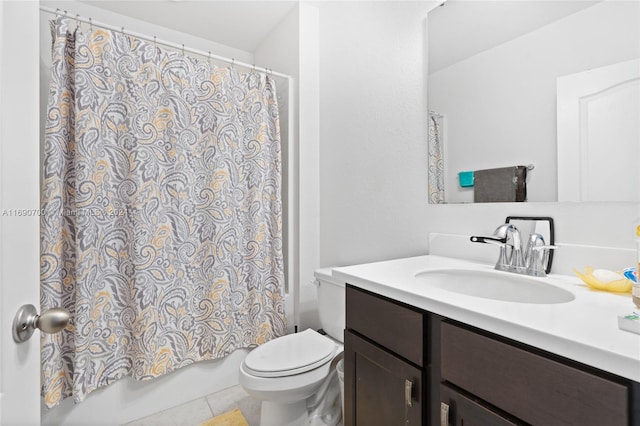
(294, 375)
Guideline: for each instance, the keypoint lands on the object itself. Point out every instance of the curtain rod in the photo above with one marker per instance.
(155, 40)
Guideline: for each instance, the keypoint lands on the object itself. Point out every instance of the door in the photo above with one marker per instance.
(598, 134)
(19, 203)
(380, 388)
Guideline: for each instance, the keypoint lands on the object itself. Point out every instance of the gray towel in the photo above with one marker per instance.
(506, 184)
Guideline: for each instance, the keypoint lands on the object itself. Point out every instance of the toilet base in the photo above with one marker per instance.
(280, 414)
(295, 414)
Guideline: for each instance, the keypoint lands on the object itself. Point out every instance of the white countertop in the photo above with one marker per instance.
(585, 329)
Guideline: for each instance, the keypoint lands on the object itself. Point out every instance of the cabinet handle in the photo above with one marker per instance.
(444, 414)
(408, 390)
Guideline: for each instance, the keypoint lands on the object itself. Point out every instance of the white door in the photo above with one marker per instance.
(19, 201)
(599, 134)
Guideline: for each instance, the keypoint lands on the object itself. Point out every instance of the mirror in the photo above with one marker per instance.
(493, 73)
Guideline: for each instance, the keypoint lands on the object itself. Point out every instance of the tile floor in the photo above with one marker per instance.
(197, 411)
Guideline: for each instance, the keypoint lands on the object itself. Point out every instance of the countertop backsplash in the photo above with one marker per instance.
(566, 258)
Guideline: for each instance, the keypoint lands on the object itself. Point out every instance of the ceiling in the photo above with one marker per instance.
(462, 28)
(239, 24)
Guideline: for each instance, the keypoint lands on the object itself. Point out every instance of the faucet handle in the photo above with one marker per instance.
(487, 240)
(535, 240)
(538, 258)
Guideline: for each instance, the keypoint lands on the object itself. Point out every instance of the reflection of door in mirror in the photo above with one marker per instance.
(599, 134)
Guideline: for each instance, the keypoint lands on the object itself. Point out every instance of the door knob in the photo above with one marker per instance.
(27, 320)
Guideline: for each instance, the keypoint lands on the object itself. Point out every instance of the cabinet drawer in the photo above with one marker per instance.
(396, 327)
(531, 387)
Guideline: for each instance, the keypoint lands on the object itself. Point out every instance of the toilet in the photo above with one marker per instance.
(294, 375)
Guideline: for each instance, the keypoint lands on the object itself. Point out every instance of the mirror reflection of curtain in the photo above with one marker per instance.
(436, 159)
(162, 231)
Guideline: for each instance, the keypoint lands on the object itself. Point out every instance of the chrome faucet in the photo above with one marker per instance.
(511, 258)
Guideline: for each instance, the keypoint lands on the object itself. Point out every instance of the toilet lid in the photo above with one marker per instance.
(290, 354)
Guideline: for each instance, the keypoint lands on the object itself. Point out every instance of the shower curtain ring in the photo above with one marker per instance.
(183, 50)
(57, 11)
(90, 24)
(209, 57)
(78, 23)
(233, 62)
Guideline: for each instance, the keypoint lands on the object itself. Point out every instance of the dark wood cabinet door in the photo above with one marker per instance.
(380, 388)
(457, 409)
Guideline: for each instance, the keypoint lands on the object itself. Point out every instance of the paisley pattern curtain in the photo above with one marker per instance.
(436, 159)
(162, 223)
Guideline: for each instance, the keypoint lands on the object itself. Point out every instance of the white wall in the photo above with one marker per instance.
(373, 154)
(127, 400)
(505, 97)
(373, 151)
(309, 164)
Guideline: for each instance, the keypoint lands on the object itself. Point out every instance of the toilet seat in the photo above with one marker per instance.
(290, 355)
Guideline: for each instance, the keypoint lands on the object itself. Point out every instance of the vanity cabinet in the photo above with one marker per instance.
(532, 387)
(384, 358)
(404, 366)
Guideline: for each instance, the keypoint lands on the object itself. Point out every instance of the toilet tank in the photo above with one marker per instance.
(331, 303)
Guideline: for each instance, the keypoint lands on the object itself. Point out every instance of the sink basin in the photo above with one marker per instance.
(495, 285)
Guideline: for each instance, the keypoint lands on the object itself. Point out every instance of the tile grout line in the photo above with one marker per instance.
(213, 412)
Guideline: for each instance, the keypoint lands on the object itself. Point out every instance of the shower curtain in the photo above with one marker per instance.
(162, 213)
(436, 160)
